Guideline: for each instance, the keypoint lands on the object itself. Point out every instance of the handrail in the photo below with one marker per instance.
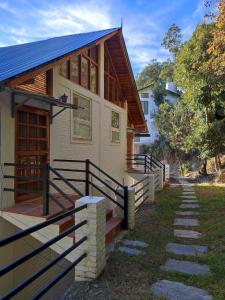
(106, 184)
(18, 261)
(25, 232)
(90, 172)
(100, 190)
(107, 175)
(66, 182)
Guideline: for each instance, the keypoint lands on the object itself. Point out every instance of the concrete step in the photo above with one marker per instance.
(113, 227)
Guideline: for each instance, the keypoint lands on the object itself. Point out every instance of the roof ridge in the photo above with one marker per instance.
(66, 35)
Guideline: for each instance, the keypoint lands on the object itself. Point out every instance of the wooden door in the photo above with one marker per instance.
(130, 147)
(31, 147)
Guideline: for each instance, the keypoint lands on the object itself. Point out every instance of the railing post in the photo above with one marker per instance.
(125, 207)
(87, 169)
(164, 172)
(46, 189)
(145, 164)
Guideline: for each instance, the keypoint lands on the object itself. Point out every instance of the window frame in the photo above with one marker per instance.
(75, 137)
(114, 129)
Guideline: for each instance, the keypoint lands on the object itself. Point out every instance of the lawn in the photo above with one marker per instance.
(130, 277)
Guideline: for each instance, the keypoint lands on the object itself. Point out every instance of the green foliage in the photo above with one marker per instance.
(173, 39)
(149, 75)
(202, 93)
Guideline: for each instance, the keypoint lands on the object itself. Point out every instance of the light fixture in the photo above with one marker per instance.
(63, 98)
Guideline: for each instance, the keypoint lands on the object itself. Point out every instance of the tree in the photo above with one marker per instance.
(202, 91)
(217, 45)
(172, 39)
(149, 75)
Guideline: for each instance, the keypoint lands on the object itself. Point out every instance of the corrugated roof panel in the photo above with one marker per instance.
(17, 59)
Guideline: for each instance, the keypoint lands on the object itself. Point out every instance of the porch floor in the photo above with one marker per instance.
(34, 207)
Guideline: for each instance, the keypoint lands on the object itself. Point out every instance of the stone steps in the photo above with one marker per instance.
(173, 290)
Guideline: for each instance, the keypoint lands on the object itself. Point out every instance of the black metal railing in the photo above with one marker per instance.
(158, 163)
(91, 171)
(145, 163)
(42, 270)
(141, 192)
(41, 174)
(140, 163)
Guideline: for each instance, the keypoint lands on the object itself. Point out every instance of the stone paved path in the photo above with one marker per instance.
(134, 247)
(189, 210)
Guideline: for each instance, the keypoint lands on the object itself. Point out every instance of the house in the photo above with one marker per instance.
(69, 109)
(150, 109)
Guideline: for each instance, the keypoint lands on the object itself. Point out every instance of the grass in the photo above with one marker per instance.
(130, 277)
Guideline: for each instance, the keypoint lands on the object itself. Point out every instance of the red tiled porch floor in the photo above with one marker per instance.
(34, 207)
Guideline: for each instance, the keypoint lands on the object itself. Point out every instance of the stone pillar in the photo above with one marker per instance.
(151, 180)
(91, 266)
(161, 178)
(131, 206)
(167, 172)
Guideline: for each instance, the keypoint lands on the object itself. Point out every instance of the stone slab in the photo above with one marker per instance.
(187, 213)
(189, 250)
(189, 201)
(188, 234)
(189, 206)
(172, 290)
(130, 251)
(135, 243)
(185, 222)
(186, 267)
(191, 192)
(188, 197)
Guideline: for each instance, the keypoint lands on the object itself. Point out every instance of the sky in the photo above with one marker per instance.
(144, 22)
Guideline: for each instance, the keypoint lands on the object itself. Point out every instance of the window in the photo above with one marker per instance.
(74, 69)
(111, 84)
(145, 107)
(83, 69)
(81, 118)
(144, 95)
(115, 124)
(137, 139)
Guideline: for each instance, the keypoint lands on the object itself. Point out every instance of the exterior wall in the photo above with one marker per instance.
(150, 117)
(7, 147)
(111, 157)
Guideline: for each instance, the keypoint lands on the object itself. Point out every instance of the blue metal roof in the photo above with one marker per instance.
(17, 59)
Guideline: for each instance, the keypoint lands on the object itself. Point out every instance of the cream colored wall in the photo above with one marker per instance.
(7, 148)
(110, 157)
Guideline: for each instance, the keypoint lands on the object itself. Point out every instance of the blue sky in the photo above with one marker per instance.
(144, 21)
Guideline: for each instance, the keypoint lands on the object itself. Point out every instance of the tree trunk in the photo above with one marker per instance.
(204, 167)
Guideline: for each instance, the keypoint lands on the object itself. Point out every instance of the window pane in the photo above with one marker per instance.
(115, 120)
(84, 111)
(115, 136)
(93, 78)
(63, 69)
(94, 53)
(84, 131)
(145, 107)
(74, 69)
(84, 72)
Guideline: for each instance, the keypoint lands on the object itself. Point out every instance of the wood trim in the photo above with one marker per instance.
(12, 83)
